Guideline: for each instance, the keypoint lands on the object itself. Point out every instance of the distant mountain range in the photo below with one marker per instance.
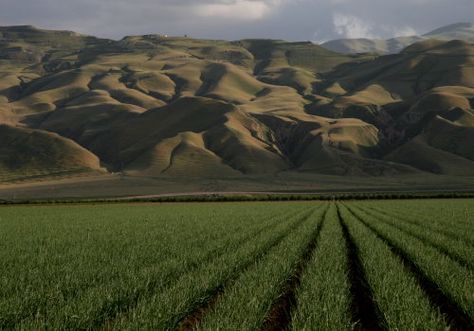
(460, 31)
(173, 107)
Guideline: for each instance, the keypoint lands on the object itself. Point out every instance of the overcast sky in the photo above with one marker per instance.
(315, 20)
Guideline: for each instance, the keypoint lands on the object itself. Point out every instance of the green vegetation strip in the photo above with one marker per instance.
(250, 299)
(167, 307)
(366, 314)
(323, 298)
(389, 197)
(431, 223)
(396, 292)
(448, 284)
(106, 315)
(454, 215)
(455, 249)
(111, 256)
(244, 266)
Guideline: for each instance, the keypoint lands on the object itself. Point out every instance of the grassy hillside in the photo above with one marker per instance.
(364, 45)
(174, 107)
(34, 153)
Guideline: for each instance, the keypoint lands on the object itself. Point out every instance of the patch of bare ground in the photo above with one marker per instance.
(193, 320)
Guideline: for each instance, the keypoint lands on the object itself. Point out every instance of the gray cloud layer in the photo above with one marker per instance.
(314, 20)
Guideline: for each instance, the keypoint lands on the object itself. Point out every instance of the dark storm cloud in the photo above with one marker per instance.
(234, 19)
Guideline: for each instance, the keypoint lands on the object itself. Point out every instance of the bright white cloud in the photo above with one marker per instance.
(348, 26)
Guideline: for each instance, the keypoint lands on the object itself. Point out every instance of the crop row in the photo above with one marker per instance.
(77, 267)
(373, 265)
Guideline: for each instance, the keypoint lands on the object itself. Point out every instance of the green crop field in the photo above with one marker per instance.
(367, 265)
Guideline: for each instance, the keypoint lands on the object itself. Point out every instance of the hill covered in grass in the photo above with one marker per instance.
(175, 107)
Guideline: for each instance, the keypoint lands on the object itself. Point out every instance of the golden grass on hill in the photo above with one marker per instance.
(26, 152)
(176, 107)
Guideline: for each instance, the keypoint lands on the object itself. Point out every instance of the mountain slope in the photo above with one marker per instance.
(461, 31)
(32, 153)
(364, 45)
(458, 31)
(169, 107)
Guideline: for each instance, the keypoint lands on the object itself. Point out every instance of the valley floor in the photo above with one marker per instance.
(118, 186)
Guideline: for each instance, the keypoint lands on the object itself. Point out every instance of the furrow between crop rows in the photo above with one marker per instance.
(365, 313)
(454, 314)
(105, 302)
(323, 298)
(124, 306)
(431, 226)
(249, 300)
(395, 290)
(279, 316)
(193, 319)
(446, 214)
(459, 253)
(352, 265)
(194, 290)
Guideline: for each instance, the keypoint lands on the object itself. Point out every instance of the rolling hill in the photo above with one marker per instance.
(174, 107)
